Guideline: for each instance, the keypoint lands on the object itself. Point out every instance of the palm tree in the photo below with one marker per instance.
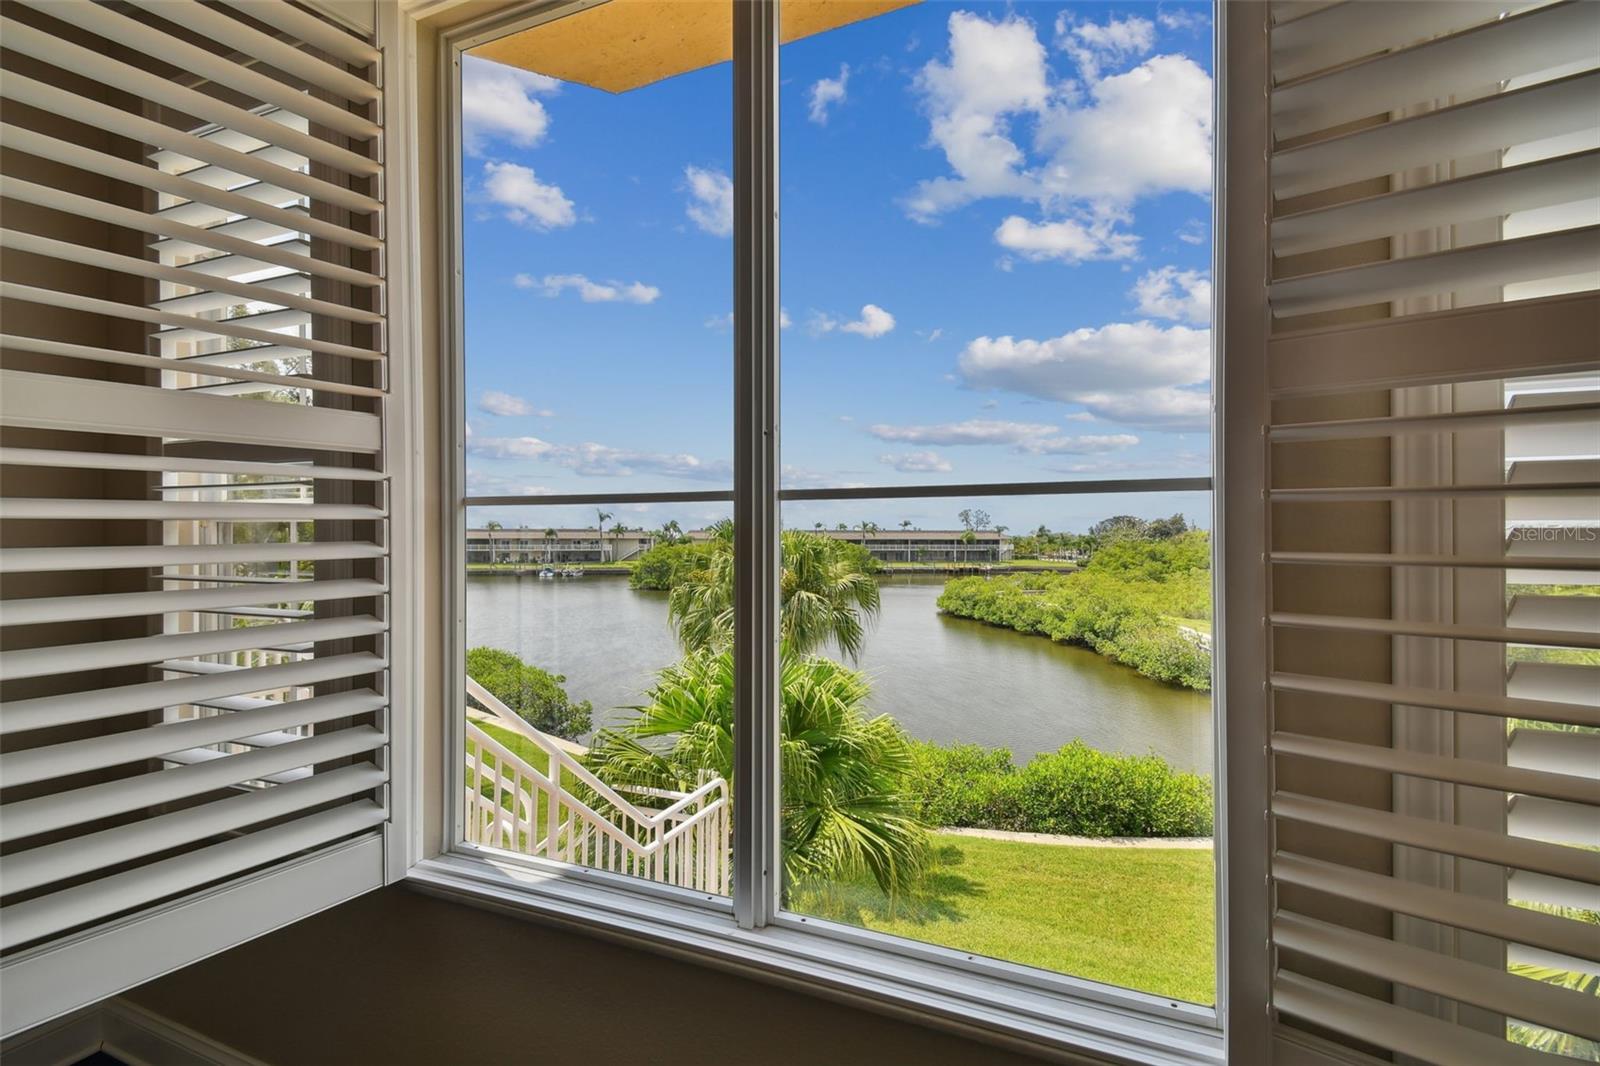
(549, 543)
(905, 523)
(845, 811)
(823, 596)
(603, 516)
(494, 553)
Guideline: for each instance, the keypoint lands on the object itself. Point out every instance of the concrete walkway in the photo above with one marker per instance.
(1059, 840)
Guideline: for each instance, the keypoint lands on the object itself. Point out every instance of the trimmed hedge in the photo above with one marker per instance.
(1077, 791)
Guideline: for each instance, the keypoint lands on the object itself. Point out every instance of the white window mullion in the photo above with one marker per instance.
(757, 844)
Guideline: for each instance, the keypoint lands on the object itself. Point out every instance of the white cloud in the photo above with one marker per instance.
(1141, 133)
(526, 200)
(599, 460)
(1091, 444)
(917, 463)
(996, 70)
(1096, 148)
(1092, 44)
(497, 103)
(829, 92)
(1182, 295)
(590, 292)
(873, 323)
(1025, 438)
(1139, 372)
(1067, 240)
(1192, 232)
(710, 200)
(972, 431)
(799, 477)
(1184, 19)
(495, 402)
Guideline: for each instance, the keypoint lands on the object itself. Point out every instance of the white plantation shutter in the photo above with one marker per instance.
(194, 630)
(1433, 212)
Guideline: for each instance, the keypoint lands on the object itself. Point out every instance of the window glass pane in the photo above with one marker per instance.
(996, 710)
(1017, 287)
(597, 238)
(597, 229)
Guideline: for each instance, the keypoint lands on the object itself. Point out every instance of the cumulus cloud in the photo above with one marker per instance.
(1141, 133)
(498, 103)
(1139, 372)
(1096, 147)
(917, 462)
(829, 92)
(710, 203)
(996, 71)
(972, 431)
(590, 292)
(599, 460)
(872, 323)
(1094, 44)
(1068, 240)
(1181, 295)
(505, 404)
(525, 199)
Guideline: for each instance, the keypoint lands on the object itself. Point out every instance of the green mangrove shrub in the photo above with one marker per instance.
(1127, 604)
(534, 694)
(1077, 791)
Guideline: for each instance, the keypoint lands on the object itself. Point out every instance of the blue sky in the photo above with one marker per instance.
(995, 242)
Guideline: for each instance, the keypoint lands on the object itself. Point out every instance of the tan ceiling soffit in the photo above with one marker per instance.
(623, 44)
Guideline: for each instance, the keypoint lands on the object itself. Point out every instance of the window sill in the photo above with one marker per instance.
(987, 1006)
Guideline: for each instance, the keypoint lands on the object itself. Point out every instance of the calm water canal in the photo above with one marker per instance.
(945, 679)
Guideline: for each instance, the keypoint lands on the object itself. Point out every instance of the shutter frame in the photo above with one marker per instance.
(1387, 933)
(267, 797)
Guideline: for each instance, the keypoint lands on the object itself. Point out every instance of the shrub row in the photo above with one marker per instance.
(1076, 790)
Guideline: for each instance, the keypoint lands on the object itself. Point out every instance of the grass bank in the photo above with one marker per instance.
(1140, 918)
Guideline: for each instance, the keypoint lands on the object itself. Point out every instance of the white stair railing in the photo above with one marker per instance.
(566, 813)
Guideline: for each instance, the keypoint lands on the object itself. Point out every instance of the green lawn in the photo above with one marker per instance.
(1136, 917)
(530, 754)
(1141, 918)
(1199, 625)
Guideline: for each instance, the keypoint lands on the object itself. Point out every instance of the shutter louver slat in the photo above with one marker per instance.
(1548, 109)
(71, 708)
(194, 629)
(46, 916)
(53, 813)
(222, 71)
(1431, 492)
(1564, 1008)
(279, 53)
(1525, 43)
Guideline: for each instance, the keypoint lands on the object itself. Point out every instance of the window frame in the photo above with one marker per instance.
(1025, 1007)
